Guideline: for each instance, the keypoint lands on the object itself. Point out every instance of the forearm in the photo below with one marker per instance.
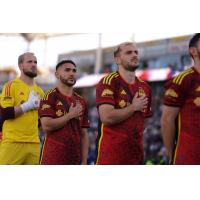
(51, 124)
(114, 116)
(84, 146)
(18, 111)
(168, 134)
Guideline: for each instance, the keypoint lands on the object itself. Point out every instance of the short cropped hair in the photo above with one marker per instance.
(21, 57)
(64, 62)
(118, 48)
(193, 41)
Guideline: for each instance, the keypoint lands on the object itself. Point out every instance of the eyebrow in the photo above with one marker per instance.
(70, 69)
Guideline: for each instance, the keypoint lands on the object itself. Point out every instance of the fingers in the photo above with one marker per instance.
(140, 103)
(136, 95)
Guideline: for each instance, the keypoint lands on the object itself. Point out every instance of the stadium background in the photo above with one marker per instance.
(160, 60)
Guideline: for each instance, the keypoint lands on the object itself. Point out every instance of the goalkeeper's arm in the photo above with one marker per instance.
(12, 112)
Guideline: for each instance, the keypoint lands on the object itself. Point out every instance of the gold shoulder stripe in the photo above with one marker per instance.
(105, 78)
(7, 88)
(178, 77)
(110, 79)
(47, 94)
(50, 93)
(184, 77)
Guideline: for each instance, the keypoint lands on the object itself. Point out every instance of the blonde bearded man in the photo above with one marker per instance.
(20, 142)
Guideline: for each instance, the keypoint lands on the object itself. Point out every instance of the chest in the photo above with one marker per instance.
(192, 96)
(21, 93)
(124, 94)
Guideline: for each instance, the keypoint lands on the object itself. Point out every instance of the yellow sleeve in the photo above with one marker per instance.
(7, 96)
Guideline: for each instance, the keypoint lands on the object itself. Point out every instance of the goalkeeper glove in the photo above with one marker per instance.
(32, 103)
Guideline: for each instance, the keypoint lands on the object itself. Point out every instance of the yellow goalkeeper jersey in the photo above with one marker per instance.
(25, 127)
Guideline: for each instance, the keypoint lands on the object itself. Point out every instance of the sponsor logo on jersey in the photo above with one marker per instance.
(171, 93)
(197, 101)
(123, 92)
(122, 103)
(59, 113)
(198, 89)
(45, 106)
(6, 98)
(59, 103)
(107, 92)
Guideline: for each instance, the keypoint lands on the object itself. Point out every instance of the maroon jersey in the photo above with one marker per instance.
(62, 146)
(122, 143)
(183, 91)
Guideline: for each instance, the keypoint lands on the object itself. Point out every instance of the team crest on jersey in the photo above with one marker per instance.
(197, 101)
(21, 93)
(123, 92)
(59, 103)
(59, 113)
(198, 89)
(122, 103)
(107, 92)
(171, 93)
(45, 106)
(141, 93)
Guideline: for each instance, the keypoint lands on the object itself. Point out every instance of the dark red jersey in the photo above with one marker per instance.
(62, 146)
(122, 143)
(183, 91)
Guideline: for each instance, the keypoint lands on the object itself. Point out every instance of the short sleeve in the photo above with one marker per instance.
(7, 97)
(47, 107)
(104, 94)
(174, 94)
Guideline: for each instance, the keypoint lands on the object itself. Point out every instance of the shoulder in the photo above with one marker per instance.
(109, 79)
(183, 77)
(79, 97)
(10, 85)
(144, 84)
(49, 94)
(39, 89)
(11, 82)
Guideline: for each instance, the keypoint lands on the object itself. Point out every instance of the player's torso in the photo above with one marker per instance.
(190, 111)
(72, 129)
(25, 127)
(123, 96)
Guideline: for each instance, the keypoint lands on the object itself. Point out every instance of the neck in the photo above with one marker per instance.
(128, 76)
(65, 90)
(29, 81)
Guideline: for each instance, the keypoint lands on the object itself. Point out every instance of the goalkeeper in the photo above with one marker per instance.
(20, 143)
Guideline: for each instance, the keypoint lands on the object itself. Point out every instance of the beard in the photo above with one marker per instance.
(68, 82)
(30, 74)
(131, 68)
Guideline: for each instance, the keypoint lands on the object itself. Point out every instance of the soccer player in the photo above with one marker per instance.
(181, 112)
(64, 118)
(20, 143)
(123, 102)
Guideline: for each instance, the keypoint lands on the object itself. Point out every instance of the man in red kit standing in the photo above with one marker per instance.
(64, 118)
(181, 112)
(123, 102)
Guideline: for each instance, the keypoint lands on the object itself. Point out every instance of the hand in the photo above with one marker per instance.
(33, 102)
(139, 103)
(76, 111)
